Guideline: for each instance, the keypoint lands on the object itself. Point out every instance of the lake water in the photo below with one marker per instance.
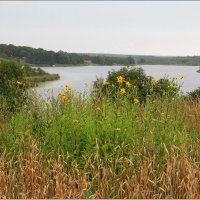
(82, 77)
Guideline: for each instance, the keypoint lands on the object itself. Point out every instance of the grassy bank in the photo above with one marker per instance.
(94, 147)
(34, 80)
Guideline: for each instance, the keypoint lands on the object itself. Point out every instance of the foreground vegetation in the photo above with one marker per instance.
(111, 144)
(78, 148)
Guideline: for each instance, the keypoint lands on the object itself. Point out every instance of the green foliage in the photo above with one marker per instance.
(39, 56)
(43, 57)
(136, 85)
(30, 71)
(12, 86)
(195, 94)
(102, 128)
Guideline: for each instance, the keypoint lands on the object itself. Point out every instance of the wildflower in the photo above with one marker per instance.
(171, 86)
(68, 86)
(128, 84)
(154, 80)
(19, 82)
(120, 79)
(113, 85)
(122, 90)
(117, 129)
(63, 96)
(136, 101)
(75, 121)
(98, 108)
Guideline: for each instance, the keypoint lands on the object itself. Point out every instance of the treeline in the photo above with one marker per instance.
(43, 57)
(167, 60)
(39, 56)
(108, 60)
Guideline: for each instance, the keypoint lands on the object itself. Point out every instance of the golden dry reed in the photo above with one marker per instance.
(30, 175)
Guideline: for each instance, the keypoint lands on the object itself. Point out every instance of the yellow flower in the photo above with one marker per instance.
(154, 80)
(19, 82)
(128, 84)
(98, 108)
(171, 86)
(63, 96)
(68, 86)
(122, 90)
(120, 79)
(75, 121)
(117, 129)
(136, 101)
(113, 85)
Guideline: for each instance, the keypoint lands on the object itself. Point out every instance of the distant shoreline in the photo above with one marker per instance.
(84, 65)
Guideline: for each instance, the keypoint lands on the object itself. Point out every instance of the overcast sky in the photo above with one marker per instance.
(142, 28)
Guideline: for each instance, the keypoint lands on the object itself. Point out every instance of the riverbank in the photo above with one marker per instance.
(34, 80)
(92, 64)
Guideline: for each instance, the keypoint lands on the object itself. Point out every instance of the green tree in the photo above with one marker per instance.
(12, 86)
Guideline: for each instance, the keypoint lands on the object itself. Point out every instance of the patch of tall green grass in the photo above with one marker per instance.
(81, 127)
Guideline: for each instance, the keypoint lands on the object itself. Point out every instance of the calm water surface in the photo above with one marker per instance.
(81, 78)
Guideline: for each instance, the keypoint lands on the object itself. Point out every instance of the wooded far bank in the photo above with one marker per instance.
(43, 57)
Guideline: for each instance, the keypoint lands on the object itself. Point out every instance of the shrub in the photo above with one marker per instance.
(135, 84)
(12, 86)
(195, 94)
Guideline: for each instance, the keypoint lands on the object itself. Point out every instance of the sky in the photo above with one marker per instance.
(166, 28)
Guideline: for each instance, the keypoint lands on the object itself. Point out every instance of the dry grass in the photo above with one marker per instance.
(29, 175)
(191, 113)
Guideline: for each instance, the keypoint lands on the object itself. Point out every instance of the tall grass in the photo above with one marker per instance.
(89, 147)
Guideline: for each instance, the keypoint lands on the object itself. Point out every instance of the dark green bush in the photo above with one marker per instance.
(12, 86)
(195, 94)
(136, 84)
